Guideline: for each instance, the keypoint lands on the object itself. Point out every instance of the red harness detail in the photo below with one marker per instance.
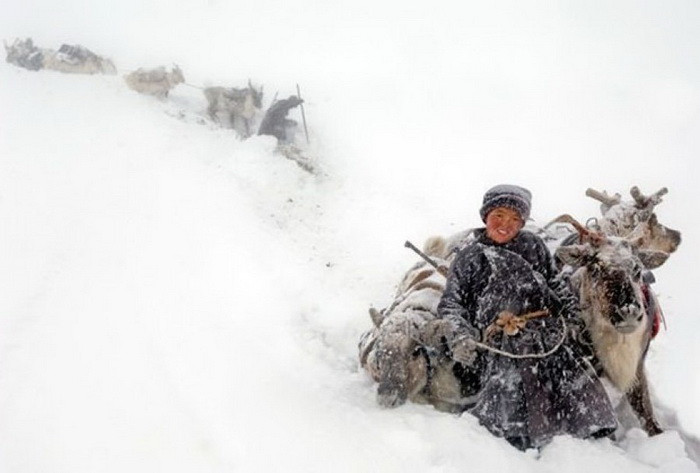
(653, 309)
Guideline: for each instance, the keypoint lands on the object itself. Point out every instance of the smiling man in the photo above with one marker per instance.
(505, 270)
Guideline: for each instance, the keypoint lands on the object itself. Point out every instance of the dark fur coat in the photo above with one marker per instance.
(527, 401)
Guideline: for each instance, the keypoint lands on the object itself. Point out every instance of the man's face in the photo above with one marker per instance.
(502, 224)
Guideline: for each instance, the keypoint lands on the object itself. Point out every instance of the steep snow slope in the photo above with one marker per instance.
(177, 299)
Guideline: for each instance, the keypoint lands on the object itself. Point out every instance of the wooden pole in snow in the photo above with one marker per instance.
(303, 116)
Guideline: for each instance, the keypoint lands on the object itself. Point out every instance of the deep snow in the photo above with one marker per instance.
(174, 299)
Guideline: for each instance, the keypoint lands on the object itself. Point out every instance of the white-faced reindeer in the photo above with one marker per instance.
(608, 281)
(157, 81)
(636, 220)
(235, 108)
(394, 352)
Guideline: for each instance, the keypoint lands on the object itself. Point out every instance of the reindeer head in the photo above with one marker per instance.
(608, 277)
(176, 75)
(397, 360)
(608, 272)
(256, 94)
(402, 370)
(636, 220)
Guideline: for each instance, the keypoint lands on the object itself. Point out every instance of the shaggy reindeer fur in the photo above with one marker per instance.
(394, 352)
(234, 108)
(157, 82)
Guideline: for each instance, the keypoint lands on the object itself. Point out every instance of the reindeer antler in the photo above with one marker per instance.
(643, 201)
(604, 197)
(585, 234)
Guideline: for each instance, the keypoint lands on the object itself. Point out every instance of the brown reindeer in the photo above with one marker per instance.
(608, 281)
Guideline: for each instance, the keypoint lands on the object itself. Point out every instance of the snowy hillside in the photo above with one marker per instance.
(175, 299)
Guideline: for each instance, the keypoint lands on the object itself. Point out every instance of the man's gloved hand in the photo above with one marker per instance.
(464, 350)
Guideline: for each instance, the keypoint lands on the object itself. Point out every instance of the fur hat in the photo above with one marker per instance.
(506, 195)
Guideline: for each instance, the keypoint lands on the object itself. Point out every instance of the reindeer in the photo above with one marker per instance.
(69, 58)
(234, 108)
(636, 220)
(157, 82)
(77, 59)
(395, 352)
(24, 54)
(608, 281)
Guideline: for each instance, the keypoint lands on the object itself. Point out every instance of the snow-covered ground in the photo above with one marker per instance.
(174, 299)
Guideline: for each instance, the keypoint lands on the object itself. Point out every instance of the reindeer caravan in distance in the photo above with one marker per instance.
(73, 59)
(236, 108)
(607, 265)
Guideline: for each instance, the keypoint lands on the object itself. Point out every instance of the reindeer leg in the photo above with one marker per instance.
(640, 401)
(212, 112)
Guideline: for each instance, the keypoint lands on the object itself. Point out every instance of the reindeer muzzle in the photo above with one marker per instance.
(628, 318)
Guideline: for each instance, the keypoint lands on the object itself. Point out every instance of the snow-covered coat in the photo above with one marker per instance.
(527, 401)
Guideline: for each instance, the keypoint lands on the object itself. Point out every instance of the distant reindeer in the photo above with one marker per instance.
(77, 59)
(71, 59)
(157, 81)
(24, 54)
(235, 108)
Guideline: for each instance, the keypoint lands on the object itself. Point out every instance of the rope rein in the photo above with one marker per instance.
(556, 347)
(484, 346)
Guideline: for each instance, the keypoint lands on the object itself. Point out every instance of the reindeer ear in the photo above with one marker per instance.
(573, 255)
(652, 259)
